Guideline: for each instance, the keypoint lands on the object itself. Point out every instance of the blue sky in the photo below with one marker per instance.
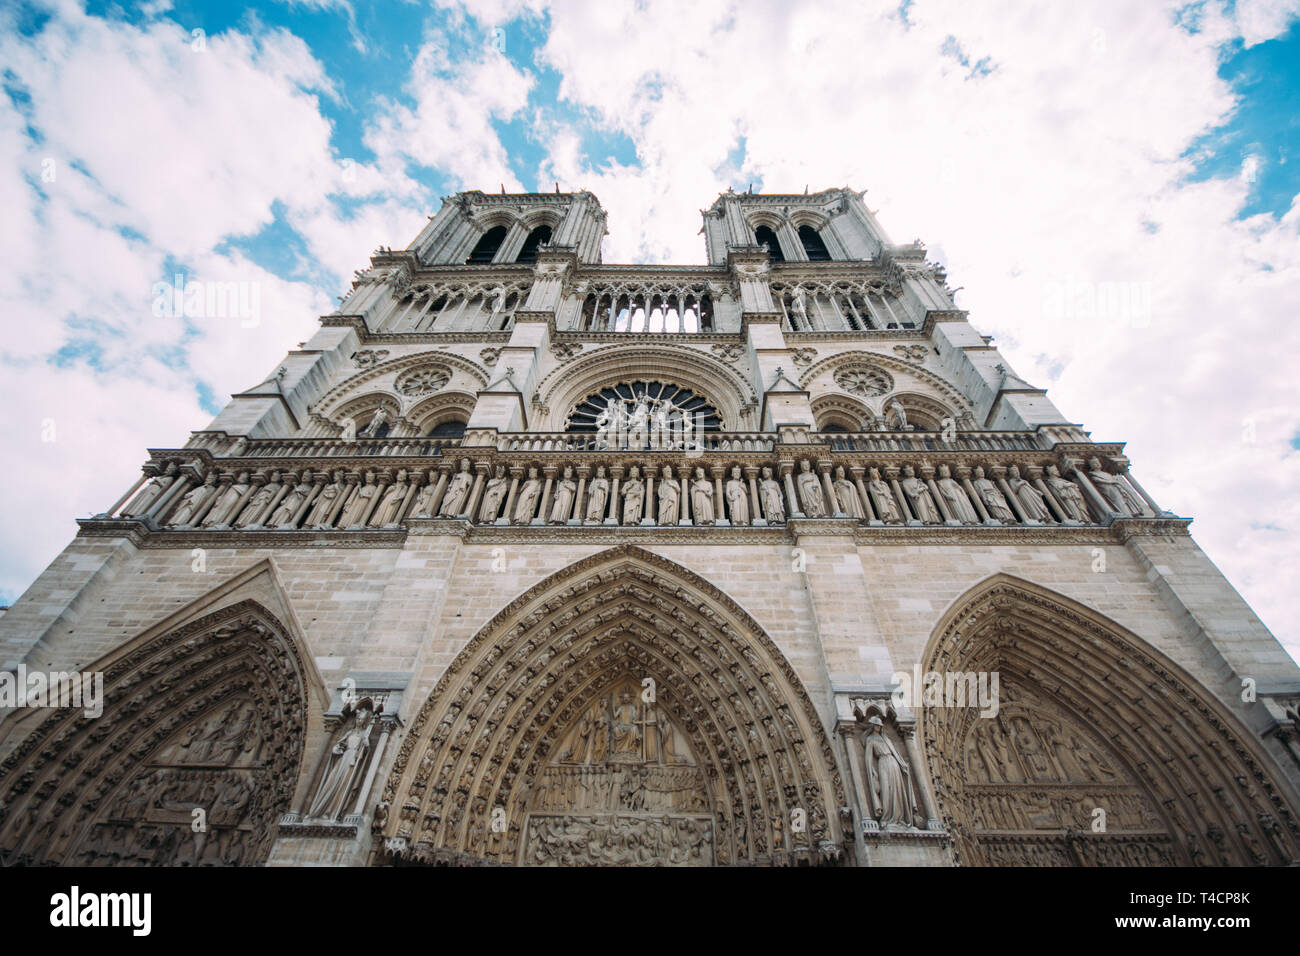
(1031, 147)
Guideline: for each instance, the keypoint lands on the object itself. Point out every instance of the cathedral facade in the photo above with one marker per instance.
(527, 559)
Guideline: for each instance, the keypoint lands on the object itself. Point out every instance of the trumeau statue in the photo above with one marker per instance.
(847, 494)
(701, 498)
(889, 781)
(633, 492)
(1115, 490)
(494, 494)
(194, 499)
(347, 764)
(1068, 494)
(565, 489)
(670, 498)
(769, 492)
(597, 497)
(994, 502)
(453, 502)
(526, 503)
(737, 498)
(1030, 498)
(883, 498)
(810, 491)
(958, 504)
(919, 495)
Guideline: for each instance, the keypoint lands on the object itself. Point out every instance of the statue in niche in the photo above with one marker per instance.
(377, 421)
(423, 507)
(453, 502)
(627, 729)
(282, 517)
(221, 511)
(810, 491)
(701, 498)
(325, 501)
(1068, 494)
(958, 504)
(580, 749)
(883, 498)
(737, 498)
(597, 497)
(799, 306)
(1031, 499)
(994, 503)
(391, 503)
(151, 491)
(194, 499)
(847, 494)
(899, 416)
(670, 498)
(261, 498)
(493, 495)
(498, 304)
(769, 492)
(889, 781)
(1115, 490)
(355, 510)
(922, 503)
(633, 493)
(565, 489)
(347, 764)
(526, 503)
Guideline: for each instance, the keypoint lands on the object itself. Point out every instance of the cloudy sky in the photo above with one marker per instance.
(1112, 185)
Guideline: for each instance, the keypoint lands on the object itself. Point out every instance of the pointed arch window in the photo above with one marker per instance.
(764, 236)
(486, 248)
(535, 238)
(813, 245)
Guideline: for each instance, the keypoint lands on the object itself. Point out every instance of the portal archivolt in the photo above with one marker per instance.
(1103, 752)
(624, 711)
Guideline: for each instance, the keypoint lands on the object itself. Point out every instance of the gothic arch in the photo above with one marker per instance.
(345, 391)
(851, 414)
(923, 411)
(899, 369)
(493, 726)
(1091, 717)
(209, 715)
(587, 374)
(436, 409)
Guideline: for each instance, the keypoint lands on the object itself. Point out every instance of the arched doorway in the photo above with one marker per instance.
(623, 711)
(1101, 752)
(208, 717)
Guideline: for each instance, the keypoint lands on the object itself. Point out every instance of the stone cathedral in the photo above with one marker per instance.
(529, 559)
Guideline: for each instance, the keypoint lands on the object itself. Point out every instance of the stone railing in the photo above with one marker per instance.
(223, 446)
(933, 441)
(569, 441)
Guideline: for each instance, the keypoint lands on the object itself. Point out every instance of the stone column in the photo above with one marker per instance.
(1034, 474)
(321, 478)
(507, 516)
(932, 820)
(615, 502)
(224, 482)
(792, 500)
(891, 473)
(1122, 466)
(286, 485)
(853, 744)
(833, 505)
(963, 475)
(144, 476)
(386, 727)
(544, 512)
(351, 481)
(415, 480)
(926, 474)
(382, 480)
(868, 507)
(684, 482)
(580, 499)
(158, 510)
(648, 505)
(1099, 504)
(751, 475)
(719, 501)
(999, 476)
(444, 473)
(481, 469)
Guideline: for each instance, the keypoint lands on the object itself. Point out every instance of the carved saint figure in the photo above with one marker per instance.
(1068, 494)
(565, 489)
(769, 492)
(627, 731)
(701, 498)
(633, 492)
(922, 503)
(810, 491)
(899, 414)
(1030, 498)
(883, 498)
(151, 491)
(453, 502)
(1114, 489)
(493, 495)
(423, 507)
(391, 503)
(958, 504)
(670, 498)
(526, 503)
(355, 510)
(889, 782)
(737, 498)
(847, 495)
(222, 511)
(377, 422)
(994, 503)
(194, 499)
(289, 504)
(346, 764)
(261, 498)
(597, 496)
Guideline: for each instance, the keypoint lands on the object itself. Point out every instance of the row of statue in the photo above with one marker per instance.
(738, 497)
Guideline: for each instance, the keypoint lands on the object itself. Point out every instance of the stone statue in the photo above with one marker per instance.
(565, 490)
(1069, 495)
(151, 491)
(282, 517)
(769, 493)
(355, 510)
(597, 496)
(701, 498)
(889, 783)
(391, 503)
(661, 425)
(526, 503)
(423, 507)
(1115, 490)
(194, 499)
(900, 416)
(324, 503)
(799, 306)
(737, 498)
(261, 498)
(958, 504)
(221, 511)
(994, 503)
(1031, 499)
(378, 421)
(453, 502)
(633, 493)
(847, 495)
(347, 762)
(670, 498)
(810, 491)
(495, 492)
(922, 503)
(883, 498)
